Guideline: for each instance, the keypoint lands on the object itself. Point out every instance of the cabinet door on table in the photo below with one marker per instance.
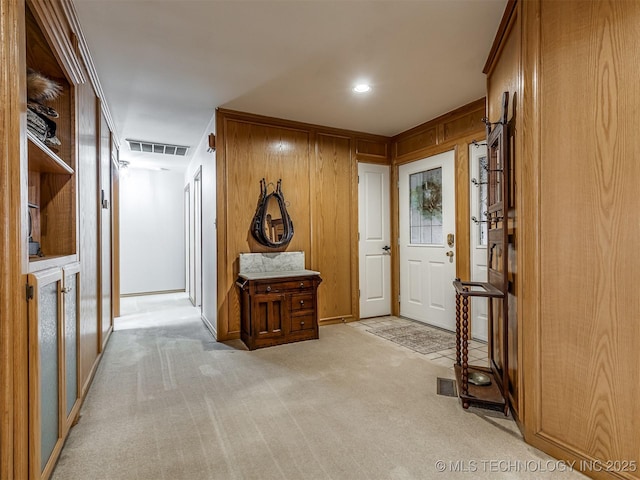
(269, 313)
(45, 370)
(71, 303)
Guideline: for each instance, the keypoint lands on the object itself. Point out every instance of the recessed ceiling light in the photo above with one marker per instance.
(362, 88)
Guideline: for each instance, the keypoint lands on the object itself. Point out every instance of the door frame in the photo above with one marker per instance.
(187, 250)
(197, 240)
(390, 243)
(445, 160)
(460, 146)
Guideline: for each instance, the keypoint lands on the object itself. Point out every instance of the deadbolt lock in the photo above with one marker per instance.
(450, 239)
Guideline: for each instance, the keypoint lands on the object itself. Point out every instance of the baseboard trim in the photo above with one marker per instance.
(333, 320)
(209, 326)
(159, 292)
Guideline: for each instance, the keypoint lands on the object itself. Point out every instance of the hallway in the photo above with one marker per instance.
(168, 402)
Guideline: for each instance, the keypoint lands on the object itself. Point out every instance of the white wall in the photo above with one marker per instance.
(151, 231)
(206, 160)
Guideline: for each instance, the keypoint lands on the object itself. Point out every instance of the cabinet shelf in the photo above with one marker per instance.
(42, 159)
(42, 263)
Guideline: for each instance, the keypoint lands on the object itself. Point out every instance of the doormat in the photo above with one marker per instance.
(419, 338)
(446, 387)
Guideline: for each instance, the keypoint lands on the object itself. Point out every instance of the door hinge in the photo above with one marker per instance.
(358, 178)
(358, 293)
(29, 292)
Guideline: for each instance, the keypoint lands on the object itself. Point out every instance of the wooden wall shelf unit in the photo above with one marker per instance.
(278, 310)
(44, 160)
(51, 168)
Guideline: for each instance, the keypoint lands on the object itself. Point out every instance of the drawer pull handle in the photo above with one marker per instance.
(301, 284)
(301, 323)
(269, 288)
(301, 302)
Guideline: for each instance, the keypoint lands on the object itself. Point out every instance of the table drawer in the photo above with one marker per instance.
(302, 322)
(302, 301)
(279, 287)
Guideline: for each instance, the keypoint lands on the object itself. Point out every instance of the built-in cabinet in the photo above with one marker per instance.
(52, 285)
(53, 366)
(66, 185)
(51, 166)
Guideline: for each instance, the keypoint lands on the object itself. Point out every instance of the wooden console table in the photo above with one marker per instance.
(278, 308)
(495, 394)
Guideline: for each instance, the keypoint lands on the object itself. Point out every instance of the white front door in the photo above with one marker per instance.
(479, 232)
(375, 235)
(427, 235)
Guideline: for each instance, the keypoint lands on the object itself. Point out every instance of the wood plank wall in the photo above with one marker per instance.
(318, 169)
(452, 131)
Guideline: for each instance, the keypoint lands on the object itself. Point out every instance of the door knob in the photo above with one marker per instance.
(386, 248)
(450, 255)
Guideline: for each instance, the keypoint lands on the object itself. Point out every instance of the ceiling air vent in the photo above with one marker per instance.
(162, 148)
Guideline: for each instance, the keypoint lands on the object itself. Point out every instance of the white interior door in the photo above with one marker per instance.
(427, 235)
(374, 244)
(478, 199)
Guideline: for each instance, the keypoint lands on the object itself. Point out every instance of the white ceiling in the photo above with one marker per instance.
(165, 65)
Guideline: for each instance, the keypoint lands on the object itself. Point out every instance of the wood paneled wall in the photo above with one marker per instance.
(573, 67)
(453, 131)
(318, 168)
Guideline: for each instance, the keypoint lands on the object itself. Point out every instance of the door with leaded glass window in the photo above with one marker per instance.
(427, 240)
(478, 195)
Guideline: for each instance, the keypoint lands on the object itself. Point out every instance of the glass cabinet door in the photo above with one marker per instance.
(45, 395)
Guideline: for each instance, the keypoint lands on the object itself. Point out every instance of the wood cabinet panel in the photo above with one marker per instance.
(106, 209)
(88, 223)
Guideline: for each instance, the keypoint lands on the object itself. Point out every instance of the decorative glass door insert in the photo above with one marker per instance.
(425, 207)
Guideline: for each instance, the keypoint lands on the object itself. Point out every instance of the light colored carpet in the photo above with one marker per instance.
(419, 338)
(169, 403)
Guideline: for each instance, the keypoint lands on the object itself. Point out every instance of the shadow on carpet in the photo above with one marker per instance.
(419, 338)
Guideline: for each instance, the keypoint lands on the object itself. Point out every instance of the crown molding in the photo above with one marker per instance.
(69, 11)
